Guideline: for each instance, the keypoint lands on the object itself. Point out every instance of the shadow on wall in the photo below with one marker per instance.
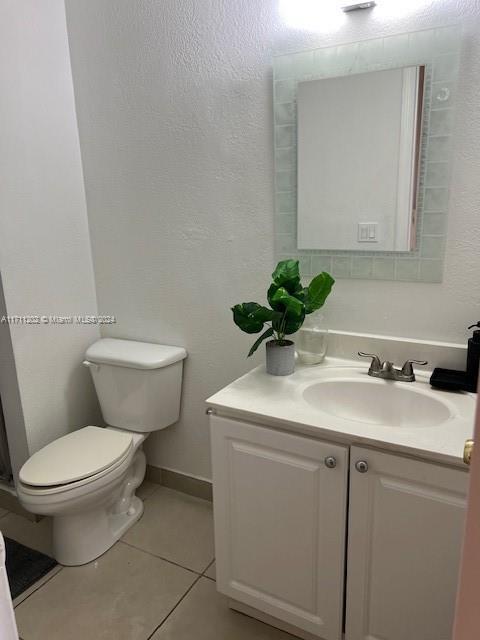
(10, 395)
(80, 397)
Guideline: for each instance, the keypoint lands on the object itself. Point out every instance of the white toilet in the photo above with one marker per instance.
(87, 479)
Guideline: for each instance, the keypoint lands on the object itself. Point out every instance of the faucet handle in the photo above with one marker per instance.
(376, 364)
(407, 368)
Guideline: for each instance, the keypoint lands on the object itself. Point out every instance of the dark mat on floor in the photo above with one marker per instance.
(25, 566)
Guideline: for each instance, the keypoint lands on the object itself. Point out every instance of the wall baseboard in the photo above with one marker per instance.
(180, 482)
(166, 477)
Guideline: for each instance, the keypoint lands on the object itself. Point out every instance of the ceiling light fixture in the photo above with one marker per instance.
(359, 5)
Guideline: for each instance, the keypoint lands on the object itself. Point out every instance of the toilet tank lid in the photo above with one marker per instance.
(133, 354)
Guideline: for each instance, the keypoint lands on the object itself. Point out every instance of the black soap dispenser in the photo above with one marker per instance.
(452, 380)
(473, 357)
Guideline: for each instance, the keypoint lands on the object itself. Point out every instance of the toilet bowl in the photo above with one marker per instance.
(86, 480)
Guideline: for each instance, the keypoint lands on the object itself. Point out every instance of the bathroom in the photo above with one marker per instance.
(141, 202)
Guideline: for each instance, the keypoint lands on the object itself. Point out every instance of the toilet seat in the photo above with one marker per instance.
(76, 459)
(61, 491)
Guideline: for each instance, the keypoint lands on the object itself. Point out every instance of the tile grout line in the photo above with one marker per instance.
(206, 569)
(176, 564)
(172, 562)
(41, 585)
(199, 577)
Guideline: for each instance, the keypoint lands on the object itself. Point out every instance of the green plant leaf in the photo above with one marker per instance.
(318, 291)
(289, 302)
(251, 316)
(287, 275)
(292, 325)
(292, 305)
(302, 294)
(266, 334)
(277, 306)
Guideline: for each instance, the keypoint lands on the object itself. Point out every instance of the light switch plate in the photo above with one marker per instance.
(367, 232)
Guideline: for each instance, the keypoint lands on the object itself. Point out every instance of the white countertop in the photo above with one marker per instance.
(278, 402)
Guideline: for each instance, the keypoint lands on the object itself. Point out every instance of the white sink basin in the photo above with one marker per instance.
(377, 402)
(339, 402)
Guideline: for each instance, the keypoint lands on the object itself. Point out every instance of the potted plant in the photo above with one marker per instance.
(290, 302)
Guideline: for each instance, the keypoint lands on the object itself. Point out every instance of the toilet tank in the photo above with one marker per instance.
(138, 384)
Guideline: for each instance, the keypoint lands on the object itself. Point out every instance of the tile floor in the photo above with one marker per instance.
(157, 583)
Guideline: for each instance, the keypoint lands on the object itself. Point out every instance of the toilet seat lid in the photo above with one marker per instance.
(76, 456)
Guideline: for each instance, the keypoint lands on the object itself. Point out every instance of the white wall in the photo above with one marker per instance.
(10, 396)
(174, 106)
(45, 255)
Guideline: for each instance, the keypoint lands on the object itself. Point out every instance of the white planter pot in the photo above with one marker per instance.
(280, 358)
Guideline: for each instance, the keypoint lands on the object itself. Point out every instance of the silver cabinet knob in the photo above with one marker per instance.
(210, 411)
(361, 466)
(330, 462)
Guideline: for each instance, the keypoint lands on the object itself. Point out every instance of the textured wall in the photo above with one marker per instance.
(174, 110)
(45, 255)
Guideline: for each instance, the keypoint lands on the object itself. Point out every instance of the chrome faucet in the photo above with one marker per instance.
(388, 371)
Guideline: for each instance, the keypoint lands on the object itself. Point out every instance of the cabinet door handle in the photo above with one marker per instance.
(210, 411)
(468, 451)
(361, 466)
(330, 462)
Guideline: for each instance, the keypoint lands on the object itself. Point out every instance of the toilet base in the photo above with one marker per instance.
(81, 538)
(89, 517)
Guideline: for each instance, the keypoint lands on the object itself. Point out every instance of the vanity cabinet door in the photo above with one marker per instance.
(406, 521)
(280, 516)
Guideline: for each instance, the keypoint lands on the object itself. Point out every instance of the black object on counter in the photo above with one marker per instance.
(452, 380)
(473, 356)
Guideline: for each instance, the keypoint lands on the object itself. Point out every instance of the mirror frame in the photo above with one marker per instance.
(438, 50)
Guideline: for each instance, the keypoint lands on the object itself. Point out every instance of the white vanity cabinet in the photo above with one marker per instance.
(406, 522)
(280, 520)
(280, 507)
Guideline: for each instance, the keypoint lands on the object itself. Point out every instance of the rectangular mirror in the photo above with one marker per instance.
(358, 153)
(363, 136)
